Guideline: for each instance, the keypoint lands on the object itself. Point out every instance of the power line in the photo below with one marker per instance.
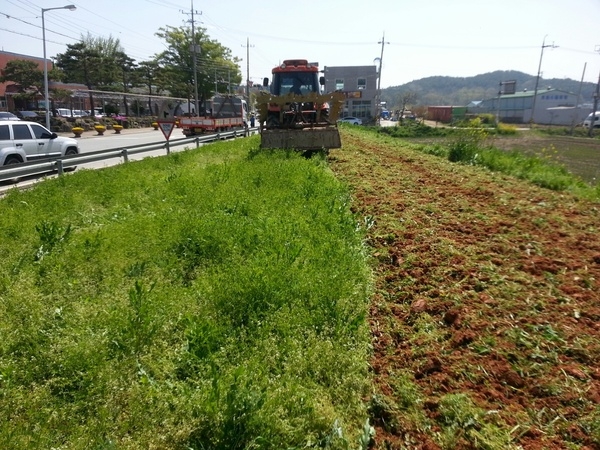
(8, 16)
(30, 36)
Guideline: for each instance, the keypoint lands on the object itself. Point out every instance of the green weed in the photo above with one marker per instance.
(466, 147)
(202, 300)
(467, 425)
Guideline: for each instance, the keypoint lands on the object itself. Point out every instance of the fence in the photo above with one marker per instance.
(64, 163)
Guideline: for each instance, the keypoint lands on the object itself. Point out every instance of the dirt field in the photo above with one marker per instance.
(580, 155)
(484, 286)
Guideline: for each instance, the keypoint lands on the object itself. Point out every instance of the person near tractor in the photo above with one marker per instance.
(295, 89)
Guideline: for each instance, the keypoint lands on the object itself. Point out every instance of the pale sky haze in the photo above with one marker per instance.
(458, 38)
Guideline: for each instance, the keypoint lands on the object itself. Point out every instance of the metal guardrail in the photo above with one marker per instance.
(63, 163)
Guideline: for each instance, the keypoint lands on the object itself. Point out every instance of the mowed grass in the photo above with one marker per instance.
(211, 299)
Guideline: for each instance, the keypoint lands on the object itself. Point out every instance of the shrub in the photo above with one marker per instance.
(411, 129)
(466, 147)
(503, 128)
(474, 123)
(487, 119)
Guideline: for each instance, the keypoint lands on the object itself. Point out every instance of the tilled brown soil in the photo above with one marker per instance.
(484, 286)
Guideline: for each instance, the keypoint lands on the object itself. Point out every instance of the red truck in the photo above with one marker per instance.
(223, 113)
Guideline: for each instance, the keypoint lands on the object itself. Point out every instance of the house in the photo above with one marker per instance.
(78, 93)
(6, 103)
(359, 84)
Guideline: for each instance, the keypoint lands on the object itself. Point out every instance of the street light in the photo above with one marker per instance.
(46, 100)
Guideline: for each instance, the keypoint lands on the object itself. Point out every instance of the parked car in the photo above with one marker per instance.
(352, 120)
(98, 113)
(7, 116)
(64, 112)
(30, 115)
(22, 141)
(409, 115)
(588, 120)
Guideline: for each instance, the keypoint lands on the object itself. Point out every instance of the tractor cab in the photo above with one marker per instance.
(299, 83)
(295, 76)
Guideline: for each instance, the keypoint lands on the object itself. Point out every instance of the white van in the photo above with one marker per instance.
(588, 120)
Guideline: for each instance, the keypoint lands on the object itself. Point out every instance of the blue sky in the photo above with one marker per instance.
(458, 38)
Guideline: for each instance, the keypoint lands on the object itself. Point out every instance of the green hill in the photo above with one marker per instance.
(460, 91)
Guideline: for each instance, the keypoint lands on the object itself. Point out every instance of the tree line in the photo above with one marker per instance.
(102, 64)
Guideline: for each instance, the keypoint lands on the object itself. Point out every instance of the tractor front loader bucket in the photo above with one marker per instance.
(304, 123)
(301, 139)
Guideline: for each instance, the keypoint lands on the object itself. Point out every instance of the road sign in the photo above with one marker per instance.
(166, 126)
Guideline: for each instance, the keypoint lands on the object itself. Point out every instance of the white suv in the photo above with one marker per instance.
(22, 141)
(596, 119)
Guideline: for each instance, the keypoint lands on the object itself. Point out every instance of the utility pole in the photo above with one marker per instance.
(577, 107)
(596, 95)
(378, 106)
(593, 121)
(194, 48)
(498, 105)
(248, 67)
(537, 80)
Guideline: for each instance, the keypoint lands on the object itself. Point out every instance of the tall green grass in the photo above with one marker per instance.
(470, 146)
(205, 300)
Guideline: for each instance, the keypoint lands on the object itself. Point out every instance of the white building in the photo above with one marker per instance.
(552, 107)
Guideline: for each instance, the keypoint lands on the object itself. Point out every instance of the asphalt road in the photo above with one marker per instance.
(90, 141)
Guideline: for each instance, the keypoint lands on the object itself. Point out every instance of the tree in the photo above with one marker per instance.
(177, 61)
(93, 62)
(78, 64)
(62, 95)
(128, 72)
(150, 74)
(26, 76)
(112, 58)
(403, 100)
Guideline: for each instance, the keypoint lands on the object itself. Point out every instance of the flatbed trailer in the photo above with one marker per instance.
(224, 113)
(200, 125)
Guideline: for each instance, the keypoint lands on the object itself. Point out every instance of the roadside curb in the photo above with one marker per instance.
(93, 134)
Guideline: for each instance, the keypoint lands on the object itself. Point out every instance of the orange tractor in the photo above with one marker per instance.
(294, 113)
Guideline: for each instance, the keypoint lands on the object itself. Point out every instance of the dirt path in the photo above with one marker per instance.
(485, 286)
